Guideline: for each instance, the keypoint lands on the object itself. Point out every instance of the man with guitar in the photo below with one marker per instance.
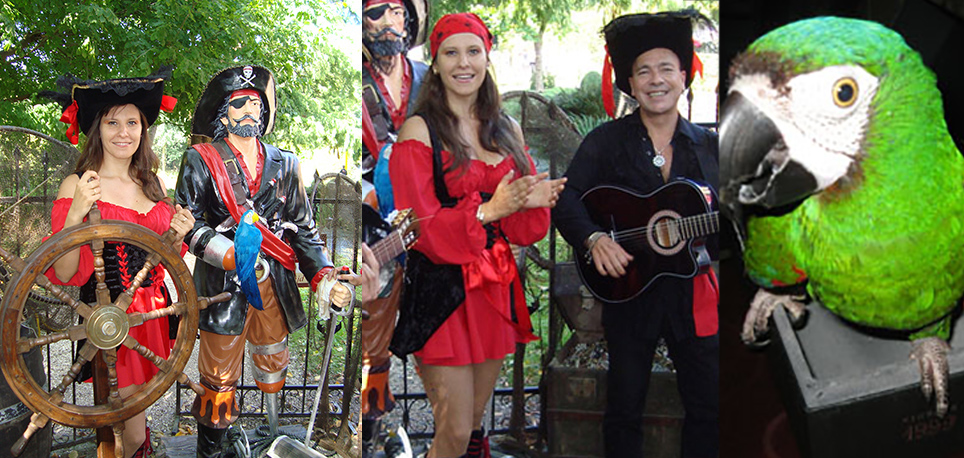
(636, 162)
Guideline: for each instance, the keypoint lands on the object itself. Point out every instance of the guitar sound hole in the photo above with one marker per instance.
(667, 233)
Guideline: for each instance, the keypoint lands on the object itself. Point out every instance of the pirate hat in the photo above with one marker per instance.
(417, 18)
(629, 36)
(222, 85)
(85, 99)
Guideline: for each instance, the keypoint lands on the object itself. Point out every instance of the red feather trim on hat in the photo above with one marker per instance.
(70, 117)
(168, 103)
(609, 103)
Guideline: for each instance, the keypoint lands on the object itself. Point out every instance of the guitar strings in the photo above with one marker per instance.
(380, 249)
(690, 225)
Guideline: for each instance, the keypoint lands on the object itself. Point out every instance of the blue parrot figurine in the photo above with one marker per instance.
(247, 245)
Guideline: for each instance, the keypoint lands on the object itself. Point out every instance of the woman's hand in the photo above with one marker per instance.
(545, 194)
(510, 196)
(85, 194)
(182, 221)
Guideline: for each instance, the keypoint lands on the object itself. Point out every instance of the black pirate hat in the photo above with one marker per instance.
(417, 19)
(220, 88)
(85, 99)
(629, 36)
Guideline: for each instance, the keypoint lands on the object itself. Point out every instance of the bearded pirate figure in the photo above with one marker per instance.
(219, 182)
(390, 83)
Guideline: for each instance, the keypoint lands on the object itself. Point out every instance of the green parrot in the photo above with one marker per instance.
(840, 176)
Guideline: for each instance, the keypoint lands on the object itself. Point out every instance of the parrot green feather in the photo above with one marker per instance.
(885, 246)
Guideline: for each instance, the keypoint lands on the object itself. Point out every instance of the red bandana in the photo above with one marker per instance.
(371, 3)
(451, 24)
(243, 92)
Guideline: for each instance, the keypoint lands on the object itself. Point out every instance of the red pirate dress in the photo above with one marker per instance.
(493, 317)
(121, 263)
(82, 102)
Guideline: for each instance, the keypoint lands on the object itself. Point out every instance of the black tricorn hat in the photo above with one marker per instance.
(220, 88)
(85, 99)
(417, 18)
(629, 36)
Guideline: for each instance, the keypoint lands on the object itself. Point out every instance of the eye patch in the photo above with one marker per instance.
(241, 101)
(376, 12)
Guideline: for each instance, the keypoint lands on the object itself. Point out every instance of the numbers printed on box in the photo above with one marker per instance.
(927, 425)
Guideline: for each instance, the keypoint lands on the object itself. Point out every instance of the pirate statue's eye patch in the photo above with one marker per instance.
(241, 101)
(376, 12)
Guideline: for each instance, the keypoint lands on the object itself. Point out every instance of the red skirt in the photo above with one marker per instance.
(482, 328)
(132, 368)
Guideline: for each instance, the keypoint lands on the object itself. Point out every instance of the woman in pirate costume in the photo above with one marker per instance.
(461, 164)
(117, 171)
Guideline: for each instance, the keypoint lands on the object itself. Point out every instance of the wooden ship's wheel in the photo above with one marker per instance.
(105, 327)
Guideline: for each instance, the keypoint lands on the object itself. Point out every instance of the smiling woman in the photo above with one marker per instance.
(117, 170)
(460, 164)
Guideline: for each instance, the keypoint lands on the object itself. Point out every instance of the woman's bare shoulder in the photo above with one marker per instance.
(68, 186)
(414, 128)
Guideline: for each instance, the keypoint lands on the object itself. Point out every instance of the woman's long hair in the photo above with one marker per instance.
(496, 130)
(144, 163)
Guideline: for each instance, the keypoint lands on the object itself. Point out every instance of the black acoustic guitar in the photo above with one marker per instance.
(664, 231)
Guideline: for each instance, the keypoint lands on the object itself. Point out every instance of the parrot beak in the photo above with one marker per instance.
(255, 218)
(755, 164)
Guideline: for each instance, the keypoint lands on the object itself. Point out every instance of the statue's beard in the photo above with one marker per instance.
(383, 50)
(245, 130)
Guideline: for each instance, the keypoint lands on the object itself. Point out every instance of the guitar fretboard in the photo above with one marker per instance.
(387, 248)
(697, 226)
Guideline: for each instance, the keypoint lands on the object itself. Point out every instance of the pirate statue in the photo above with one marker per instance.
(221, 182)
(390, 83)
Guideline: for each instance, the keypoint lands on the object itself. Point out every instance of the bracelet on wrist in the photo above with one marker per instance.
(593, 239)
(480, 215)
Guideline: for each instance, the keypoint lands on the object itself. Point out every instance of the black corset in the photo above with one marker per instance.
(122, 262)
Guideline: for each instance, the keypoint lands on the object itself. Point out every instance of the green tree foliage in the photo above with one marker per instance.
(310, 45)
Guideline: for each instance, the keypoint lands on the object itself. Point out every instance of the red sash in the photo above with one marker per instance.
(271, 245)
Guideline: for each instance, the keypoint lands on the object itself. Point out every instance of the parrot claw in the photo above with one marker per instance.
(931, 356)
(756, 323)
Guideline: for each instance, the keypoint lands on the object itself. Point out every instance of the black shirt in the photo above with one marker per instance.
(620, 153)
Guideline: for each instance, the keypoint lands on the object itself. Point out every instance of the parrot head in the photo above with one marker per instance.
(250, 217)
(805, 107)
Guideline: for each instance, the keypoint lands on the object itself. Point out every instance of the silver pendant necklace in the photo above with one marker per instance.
(658, 159)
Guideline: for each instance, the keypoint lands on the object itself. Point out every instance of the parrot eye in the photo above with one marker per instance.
(845, 92)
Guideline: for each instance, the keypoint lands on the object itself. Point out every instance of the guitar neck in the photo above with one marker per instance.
(696, 226)
(389, 247)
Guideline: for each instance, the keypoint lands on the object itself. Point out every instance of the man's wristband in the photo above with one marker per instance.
(593, 239)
